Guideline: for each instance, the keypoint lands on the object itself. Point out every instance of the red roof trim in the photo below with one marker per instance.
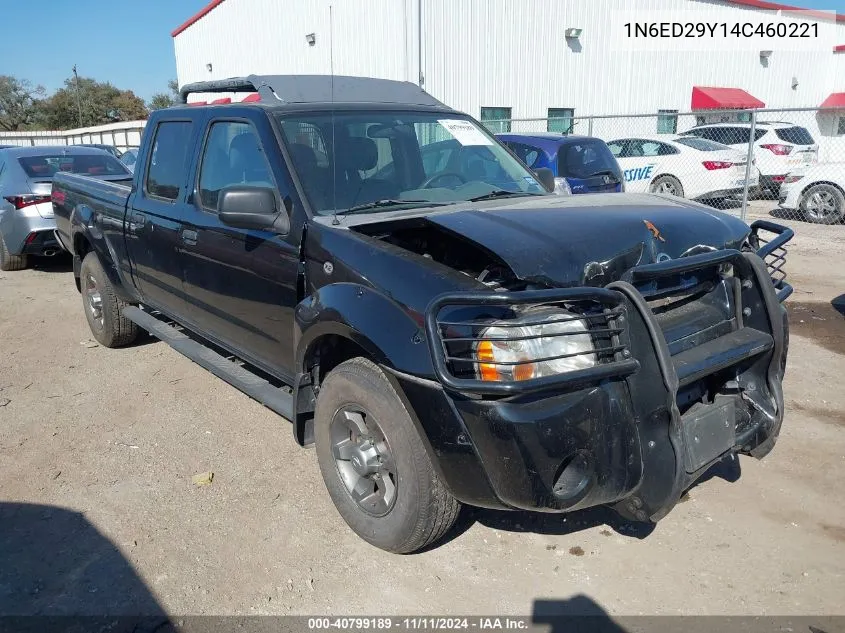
(197, 17)
(836, 100)
(709, 98)
(773, 6)
(756, 4)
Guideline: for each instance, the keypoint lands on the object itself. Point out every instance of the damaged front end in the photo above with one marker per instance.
(623, 394)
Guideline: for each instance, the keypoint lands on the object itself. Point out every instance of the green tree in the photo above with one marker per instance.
(99, 103)
(163, 100)
(19, 103)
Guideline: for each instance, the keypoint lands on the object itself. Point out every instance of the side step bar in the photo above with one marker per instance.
(720, 354)
(254, 386)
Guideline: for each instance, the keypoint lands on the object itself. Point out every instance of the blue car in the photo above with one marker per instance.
(581, 164)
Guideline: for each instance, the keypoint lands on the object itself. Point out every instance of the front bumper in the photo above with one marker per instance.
(636, 440)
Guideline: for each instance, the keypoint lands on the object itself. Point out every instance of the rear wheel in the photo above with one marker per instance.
(823, 204)
(10, 262)
(375, 466)
(103, 308)
(667, 185)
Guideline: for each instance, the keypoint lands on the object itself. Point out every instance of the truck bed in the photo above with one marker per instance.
(106, 197)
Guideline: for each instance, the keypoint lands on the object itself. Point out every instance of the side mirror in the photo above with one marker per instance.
(546, 177)
(251, 208)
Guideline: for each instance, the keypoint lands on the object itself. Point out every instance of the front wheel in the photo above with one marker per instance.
(823, 204)
(373, 461)
(103, 308)
(667, 185)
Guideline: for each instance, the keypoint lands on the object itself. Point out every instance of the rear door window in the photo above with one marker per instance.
(796, 135)
(701, 144)
(169, 160)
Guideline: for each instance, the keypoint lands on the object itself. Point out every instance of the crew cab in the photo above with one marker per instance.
(441, 335)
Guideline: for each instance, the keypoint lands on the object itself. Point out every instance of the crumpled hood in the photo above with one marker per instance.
(594, 239)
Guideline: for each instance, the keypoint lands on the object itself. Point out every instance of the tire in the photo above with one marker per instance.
(9, 262)
(420, 510)
(667, 185)
(103, 309)
(823, 204)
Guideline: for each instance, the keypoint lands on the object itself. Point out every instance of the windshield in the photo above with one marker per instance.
(46, 166)
(586, 158)
(349, 160)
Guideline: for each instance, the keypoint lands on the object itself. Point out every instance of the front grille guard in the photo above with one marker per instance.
(773, 253)
(451, 340)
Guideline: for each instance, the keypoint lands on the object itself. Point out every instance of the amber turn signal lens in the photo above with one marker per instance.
(523, 372)
(484, 352)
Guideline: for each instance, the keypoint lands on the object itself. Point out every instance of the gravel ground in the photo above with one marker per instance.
(106, 442)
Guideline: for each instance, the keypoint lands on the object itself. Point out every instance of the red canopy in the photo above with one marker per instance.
(836, 100)
(723, 98)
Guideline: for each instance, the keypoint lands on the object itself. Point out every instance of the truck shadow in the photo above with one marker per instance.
(62, 263)
(573, 615)
(564, 524)
(838, 304)
(56, 564)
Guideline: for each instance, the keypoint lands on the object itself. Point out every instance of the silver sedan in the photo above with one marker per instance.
(27, 226)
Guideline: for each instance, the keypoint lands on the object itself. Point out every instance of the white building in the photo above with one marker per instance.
(512, 58)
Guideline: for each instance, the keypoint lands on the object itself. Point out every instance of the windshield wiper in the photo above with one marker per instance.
(387, 202)
(499, 193)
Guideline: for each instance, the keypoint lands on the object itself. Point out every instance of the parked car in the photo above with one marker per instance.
(581, 164)
(686, 167)
(442, 333)
(129, 157)
(111, 149)
(26, 215)
(817, 192)
(779, 147)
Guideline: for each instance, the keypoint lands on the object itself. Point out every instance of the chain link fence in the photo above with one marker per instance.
(752, 163)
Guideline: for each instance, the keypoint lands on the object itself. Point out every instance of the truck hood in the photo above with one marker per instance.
(569, 241)
(591, 240)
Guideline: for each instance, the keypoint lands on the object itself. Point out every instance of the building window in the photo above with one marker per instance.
(667, 121)
(560, 120)
(496, 119)
(841, 128)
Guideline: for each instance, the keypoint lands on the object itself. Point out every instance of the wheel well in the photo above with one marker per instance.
(81, 247)
(329, 351)
(323, 355)
(822, 182)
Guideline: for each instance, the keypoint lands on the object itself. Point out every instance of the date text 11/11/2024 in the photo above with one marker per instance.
(421, 623)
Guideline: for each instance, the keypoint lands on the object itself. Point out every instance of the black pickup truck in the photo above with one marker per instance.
(443, 329)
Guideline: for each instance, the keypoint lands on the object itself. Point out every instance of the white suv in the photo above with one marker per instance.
(779, 147)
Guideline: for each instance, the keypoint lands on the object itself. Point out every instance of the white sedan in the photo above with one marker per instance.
(685, 166)
(818, 192)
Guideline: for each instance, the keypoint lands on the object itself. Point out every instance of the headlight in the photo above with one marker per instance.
(562, 187)
(550, 343)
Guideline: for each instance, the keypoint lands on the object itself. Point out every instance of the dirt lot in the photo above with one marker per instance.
(116, 435)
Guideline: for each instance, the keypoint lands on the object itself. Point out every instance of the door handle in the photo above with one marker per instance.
(139, 219)
(189, 236)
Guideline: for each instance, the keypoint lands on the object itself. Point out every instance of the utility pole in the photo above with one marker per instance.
(78, 98)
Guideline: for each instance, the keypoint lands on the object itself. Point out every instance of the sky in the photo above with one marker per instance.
(125, 42)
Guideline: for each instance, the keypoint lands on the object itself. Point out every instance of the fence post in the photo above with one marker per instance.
(589, 126)
(748, 165)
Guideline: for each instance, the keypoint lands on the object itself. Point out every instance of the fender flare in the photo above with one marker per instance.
(85, 226)
(385, 330)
